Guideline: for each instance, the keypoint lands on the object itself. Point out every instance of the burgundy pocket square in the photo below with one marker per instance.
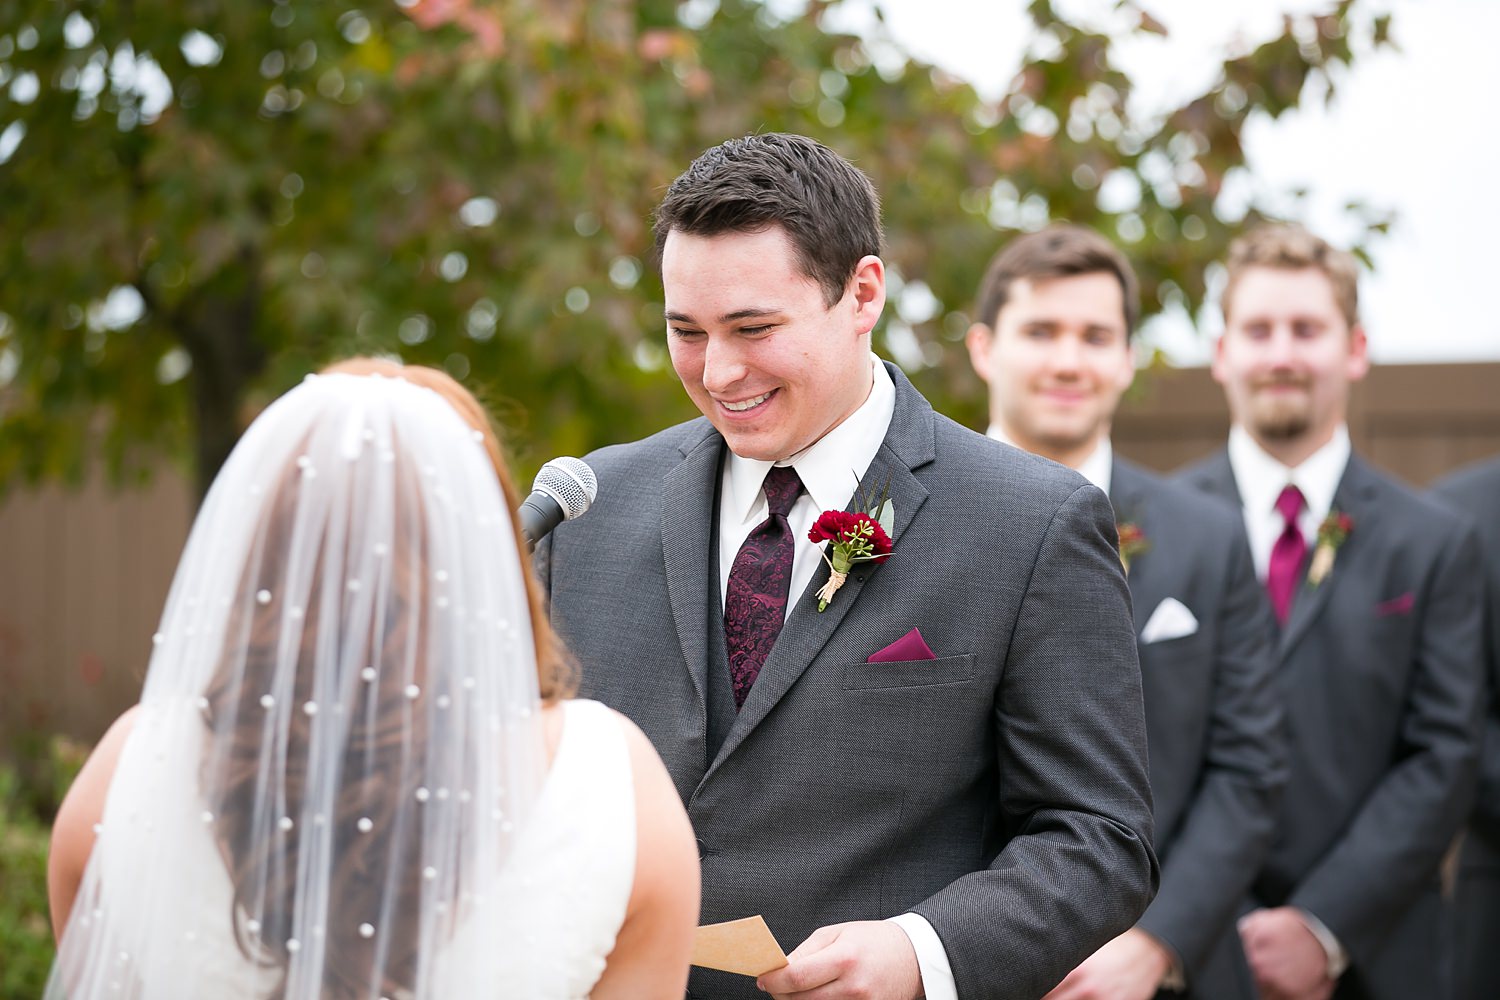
(910, 646)
(1395, 606)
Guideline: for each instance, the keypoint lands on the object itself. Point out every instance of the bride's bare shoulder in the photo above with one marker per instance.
(654, 944)
(80, 812)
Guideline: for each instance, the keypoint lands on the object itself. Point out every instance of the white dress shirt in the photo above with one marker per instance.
(1098, 468)
(1261, 479)
(830, 469)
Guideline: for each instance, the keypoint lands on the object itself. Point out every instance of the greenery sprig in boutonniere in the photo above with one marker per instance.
(1133, 542)
(854, 537)
(1332, 533)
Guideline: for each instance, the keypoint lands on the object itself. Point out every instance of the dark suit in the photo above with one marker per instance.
(1213, 718)
(999, 790)
(1476, 492)
(1380, 670)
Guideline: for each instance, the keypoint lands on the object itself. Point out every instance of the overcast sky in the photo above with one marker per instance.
(1412, 130)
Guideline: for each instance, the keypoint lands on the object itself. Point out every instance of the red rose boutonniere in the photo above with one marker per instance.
(1332, 533)
(1133, 542)
(853, 538)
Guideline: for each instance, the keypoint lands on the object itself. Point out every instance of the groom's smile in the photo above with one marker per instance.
(747, 405)
(759, 351)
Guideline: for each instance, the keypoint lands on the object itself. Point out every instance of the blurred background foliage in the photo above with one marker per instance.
(204, 200)
(30, 792)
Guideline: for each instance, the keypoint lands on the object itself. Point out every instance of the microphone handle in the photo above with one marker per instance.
(539, 514)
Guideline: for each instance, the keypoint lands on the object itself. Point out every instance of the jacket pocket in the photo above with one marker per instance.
(909, 673)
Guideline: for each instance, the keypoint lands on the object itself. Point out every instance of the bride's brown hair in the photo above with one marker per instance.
(555, 675)
(381, 763)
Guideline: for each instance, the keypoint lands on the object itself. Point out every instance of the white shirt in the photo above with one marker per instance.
(1261, 479)
(830, 469)
(1098, 468)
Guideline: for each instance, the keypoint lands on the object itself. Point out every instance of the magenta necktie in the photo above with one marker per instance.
(759, 581)
(1285, 571)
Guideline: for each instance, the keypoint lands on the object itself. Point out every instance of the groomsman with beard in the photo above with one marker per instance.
(930, 780)
(1377, 592)
(1056, 313)
(1475, 490)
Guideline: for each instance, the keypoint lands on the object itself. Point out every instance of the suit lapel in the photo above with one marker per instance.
(1352, 497)
(908, 445)
(689, 495)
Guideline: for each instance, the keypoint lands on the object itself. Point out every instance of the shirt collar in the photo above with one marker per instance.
(831, 467)
(1261, 478)
(1098, 468)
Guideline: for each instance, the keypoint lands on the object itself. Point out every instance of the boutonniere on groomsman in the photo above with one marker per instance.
(1332, 533)
(1133, 542)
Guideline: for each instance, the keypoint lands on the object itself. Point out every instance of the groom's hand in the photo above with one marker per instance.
(864, 960)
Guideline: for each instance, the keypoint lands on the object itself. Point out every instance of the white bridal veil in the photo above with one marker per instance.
(338, 738)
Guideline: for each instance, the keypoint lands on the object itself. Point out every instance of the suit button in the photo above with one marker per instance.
(703, 850)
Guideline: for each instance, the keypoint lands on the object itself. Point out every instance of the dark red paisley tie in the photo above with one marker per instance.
(759, 580)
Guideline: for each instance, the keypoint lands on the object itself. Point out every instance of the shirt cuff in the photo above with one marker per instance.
(1338, 958)
(932, 957)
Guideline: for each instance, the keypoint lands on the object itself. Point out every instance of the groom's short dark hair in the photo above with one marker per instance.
(827, 206)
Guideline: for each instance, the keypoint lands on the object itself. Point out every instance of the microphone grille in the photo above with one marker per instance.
(570, 482)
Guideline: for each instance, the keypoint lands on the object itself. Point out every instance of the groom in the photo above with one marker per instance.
(956, 743)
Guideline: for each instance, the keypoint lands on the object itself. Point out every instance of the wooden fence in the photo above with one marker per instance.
(1417, 421)
(85, 574)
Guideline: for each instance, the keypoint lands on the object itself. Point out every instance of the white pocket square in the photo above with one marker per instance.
(1170, 620)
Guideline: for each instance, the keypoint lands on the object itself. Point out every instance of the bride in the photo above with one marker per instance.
(354, 771)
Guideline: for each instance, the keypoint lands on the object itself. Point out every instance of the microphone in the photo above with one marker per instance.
(562, 490)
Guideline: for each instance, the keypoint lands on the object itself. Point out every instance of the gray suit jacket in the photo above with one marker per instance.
(1476, 492)
(1213, 717)
(1380, 669)
(999, 790)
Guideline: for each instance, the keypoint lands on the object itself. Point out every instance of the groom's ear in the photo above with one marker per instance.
(868, 285)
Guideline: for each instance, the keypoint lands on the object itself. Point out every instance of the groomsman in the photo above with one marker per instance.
(1056, 313)
(930, 779)
(1476, 491)
(1377, 593)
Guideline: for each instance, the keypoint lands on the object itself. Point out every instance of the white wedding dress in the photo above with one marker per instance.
(566, 883)
(572, 869)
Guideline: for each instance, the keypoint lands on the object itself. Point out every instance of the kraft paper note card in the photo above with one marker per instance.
(744, 946)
